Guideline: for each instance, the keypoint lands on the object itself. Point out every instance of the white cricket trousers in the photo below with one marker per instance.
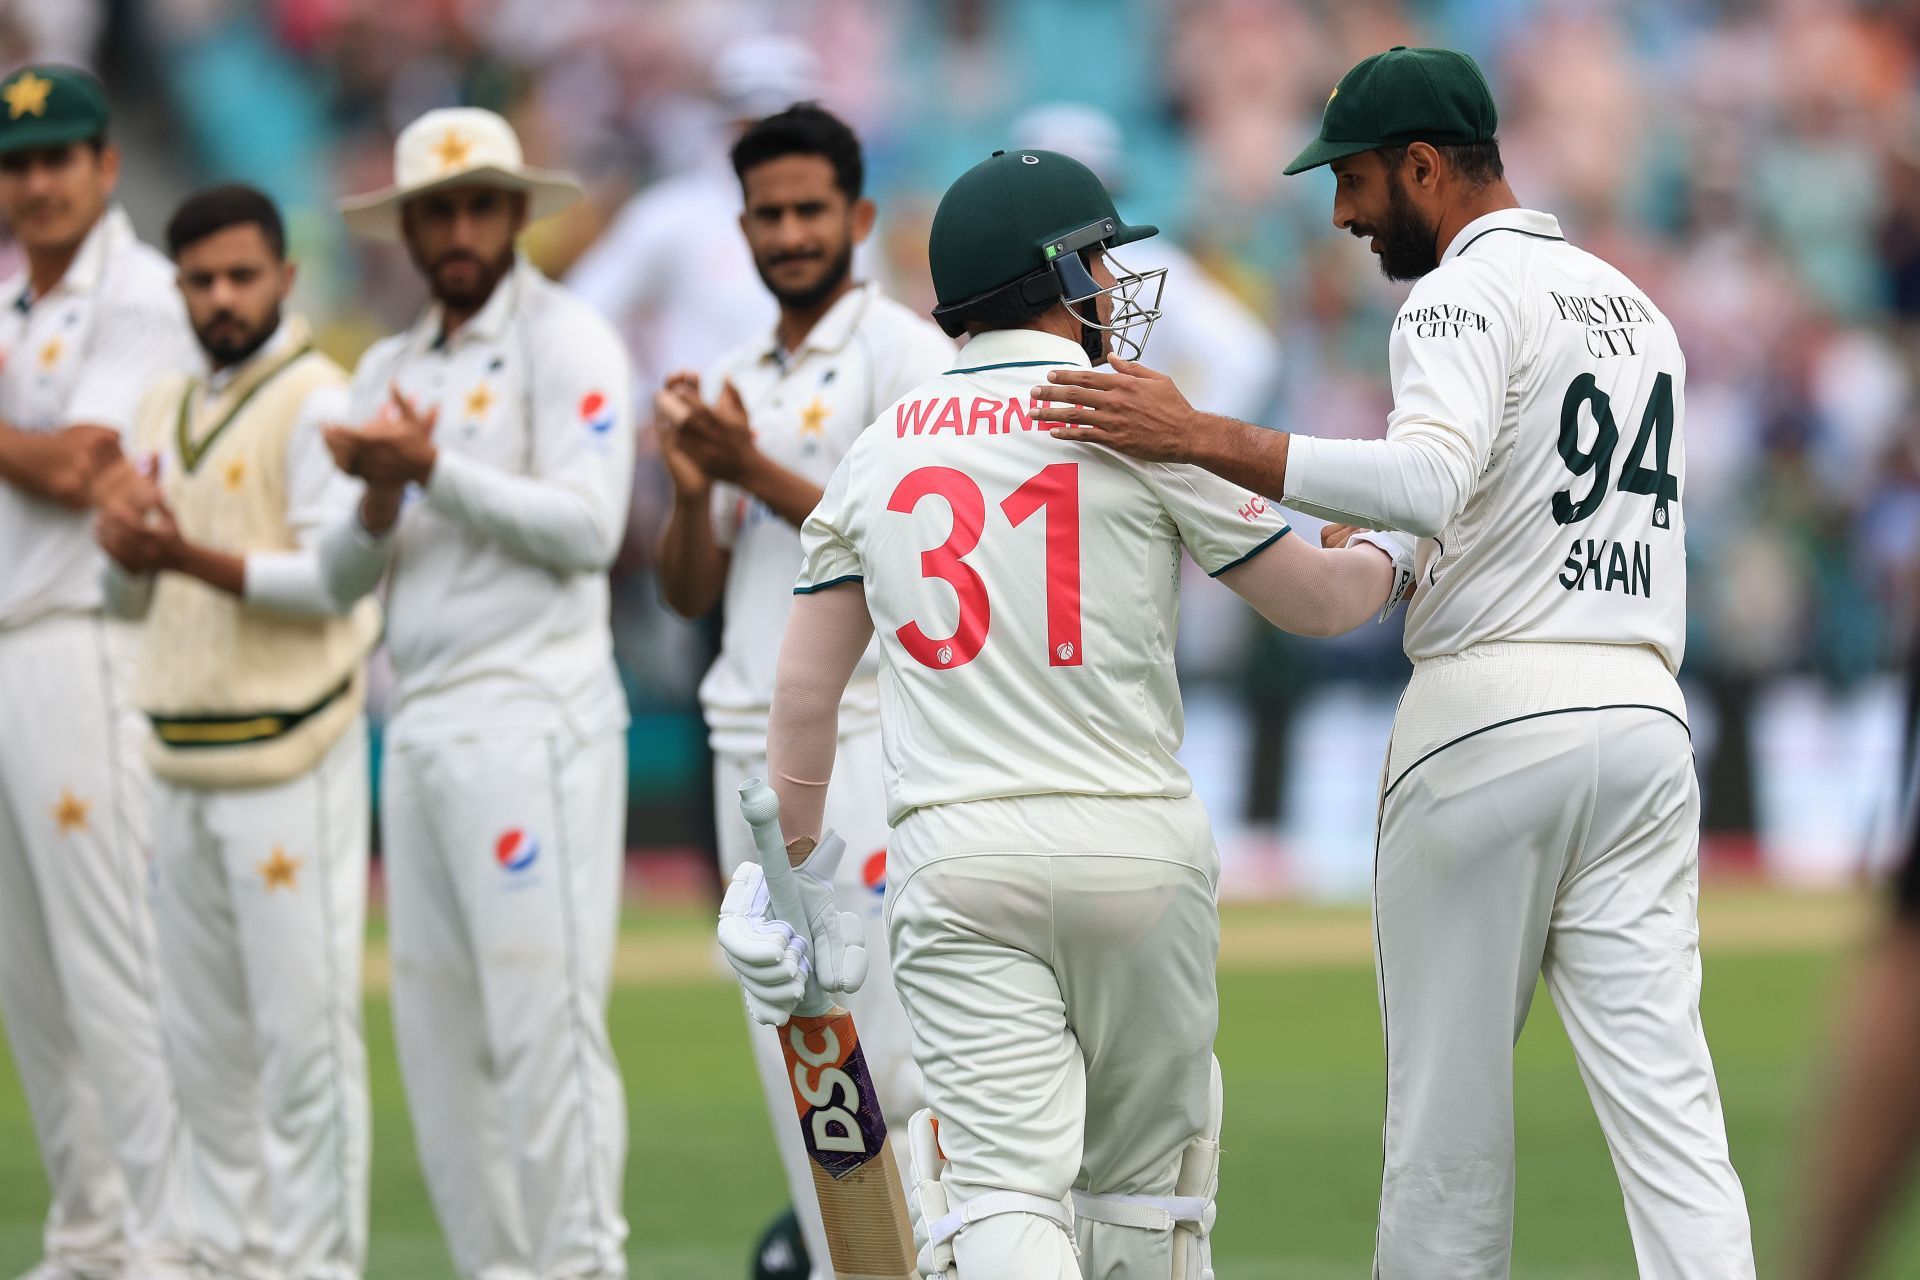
(79, 983)
(260, 902)
(1056, 958)
(857, 810)
(504, 855)
(1540, 816)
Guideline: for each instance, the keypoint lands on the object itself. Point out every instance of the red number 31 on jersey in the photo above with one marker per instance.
(1056, 487)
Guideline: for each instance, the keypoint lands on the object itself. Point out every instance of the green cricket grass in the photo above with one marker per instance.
(1300, 1045)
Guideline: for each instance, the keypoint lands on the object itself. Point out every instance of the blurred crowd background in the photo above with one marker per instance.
(1753, 164)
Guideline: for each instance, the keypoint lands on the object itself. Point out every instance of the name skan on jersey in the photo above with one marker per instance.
(1024, 590)
(1570, 385)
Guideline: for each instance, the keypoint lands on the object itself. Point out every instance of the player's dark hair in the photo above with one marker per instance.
(1011, 306)
(1002, 309)
(1008, 307)
(213, 210)
(1477, 163)
(804, 129)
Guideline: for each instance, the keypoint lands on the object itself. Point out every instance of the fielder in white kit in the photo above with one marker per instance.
(252, 674)
(1051, 897)
(748, 467)
(501, 423)
(1539, 813)
(93, 321)
(669, 269)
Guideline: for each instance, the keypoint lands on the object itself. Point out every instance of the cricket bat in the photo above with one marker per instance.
(855, 1176)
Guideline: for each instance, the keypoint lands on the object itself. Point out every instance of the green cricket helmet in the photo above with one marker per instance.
(1012, 235)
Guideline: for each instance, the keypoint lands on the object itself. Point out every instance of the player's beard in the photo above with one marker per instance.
(463, 297)
(806, 299)
(227, 340)
(1408, 241)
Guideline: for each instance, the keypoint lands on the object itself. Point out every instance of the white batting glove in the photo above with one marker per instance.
(768, 958)
(838, 938)
(775, 965)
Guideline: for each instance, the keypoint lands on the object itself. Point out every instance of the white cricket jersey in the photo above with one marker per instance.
(1024, 590)
(81, 354)
(497, 598)
(807, 408)
(1564, 386)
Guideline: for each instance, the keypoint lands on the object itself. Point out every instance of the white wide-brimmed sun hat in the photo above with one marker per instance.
(456, 146)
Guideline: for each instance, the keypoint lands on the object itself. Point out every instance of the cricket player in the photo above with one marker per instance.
(669, 267)
(496, 442)
(1051, 882)
(748, 466)
(1539, 813)
(252, 676)
(94, 321)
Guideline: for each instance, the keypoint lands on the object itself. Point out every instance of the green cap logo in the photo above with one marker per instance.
(1401, 96)
(50, 106)
(27, 96)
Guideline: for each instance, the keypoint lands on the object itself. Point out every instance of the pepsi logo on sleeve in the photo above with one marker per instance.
(596, 415)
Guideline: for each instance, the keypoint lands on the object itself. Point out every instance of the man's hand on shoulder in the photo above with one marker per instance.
(1127, 406)
(1140, 412)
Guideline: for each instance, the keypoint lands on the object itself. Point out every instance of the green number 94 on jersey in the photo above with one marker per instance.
(1656, 429)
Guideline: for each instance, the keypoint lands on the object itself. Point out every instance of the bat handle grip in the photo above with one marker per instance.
(761, 808)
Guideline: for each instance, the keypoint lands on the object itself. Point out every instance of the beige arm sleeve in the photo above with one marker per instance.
(826, 633)
(1301, 588)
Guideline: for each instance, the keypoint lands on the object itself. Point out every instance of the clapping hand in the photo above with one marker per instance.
(715, 436)
(673, 405)
(136, 528)
(392, 450)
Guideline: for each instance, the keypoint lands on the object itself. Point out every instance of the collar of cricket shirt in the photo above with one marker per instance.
(291, 332)
(1012, 348)
(1528, 222)
(831, 331)
(288, 345)
(489, 323)
(113, 231)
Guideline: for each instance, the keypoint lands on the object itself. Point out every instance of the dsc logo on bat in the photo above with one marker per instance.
(835, 1096)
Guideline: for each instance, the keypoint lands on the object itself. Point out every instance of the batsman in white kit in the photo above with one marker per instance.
(748, 464)
(495, 437)
(1539, 813)
(252, 677)
(1051, 887)
(91, 322)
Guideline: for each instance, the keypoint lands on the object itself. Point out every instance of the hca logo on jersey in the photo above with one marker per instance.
(874, 873)
(1256, 506)
(596, 415)
(516, 850)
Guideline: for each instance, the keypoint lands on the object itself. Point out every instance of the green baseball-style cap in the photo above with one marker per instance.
(1011, 217)
(1400, 96)
(50, 105)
